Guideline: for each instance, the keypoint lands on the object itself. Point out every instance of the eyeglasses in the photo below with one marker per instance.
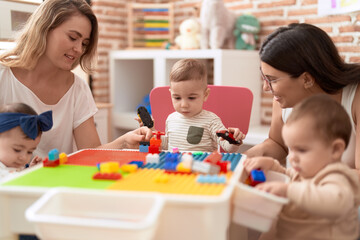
(270, 81)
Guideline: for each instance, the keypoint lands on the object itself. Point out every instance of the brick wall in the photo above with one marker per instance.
(344, 30)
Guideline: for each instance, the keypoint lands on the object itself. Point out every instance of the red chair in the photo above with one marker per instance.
(231, 104)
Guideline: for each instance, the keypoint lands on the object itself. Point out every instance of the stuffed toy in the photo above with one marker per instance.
(217, 25)
(246, 29)
(189, 37)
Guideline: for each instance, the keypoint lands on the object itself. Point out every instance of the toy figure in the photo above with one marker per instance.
(217, 25)
(246, 29)
(189, 37)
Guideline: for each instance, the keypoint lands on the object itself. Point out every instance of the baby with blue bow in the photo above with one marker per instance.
(20, 132)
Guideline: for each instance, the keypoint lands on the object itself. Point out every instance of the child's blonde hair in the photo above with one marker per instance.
(188, 69)
(331, 121)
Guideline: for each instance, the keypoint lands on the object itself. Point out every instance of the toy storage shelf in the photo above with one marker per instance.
(133, 73)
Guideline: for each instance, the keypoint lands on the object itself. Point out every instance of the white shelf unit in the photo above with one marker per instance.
(133, 73)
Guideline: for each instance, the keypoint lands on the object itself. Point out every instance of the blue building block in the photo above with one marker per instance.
(138, 163)
(143, 148)
(53, 154)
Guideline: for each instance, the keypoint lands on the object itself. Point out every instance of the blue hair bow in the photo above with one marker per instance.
(28, 123)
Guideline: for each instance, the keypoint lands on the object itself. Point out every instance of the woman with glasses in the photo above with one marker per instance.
(298, 61)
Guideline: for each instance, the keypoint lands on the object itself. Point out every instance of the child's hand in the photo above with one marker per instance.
(277, 188)
(264, 163)
(237, 134)
(141, 124)
(35, 160)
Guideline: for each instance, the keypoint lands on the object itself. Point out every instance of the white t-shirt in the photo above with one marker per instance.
(75, 107)
(6, 171)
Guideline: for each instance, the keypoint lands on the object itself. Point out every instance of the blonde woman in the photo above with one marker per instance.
(58, 36)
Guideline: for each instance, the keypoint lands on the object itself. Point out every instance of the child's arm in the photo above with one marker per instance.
(329, 197)
(264, 163)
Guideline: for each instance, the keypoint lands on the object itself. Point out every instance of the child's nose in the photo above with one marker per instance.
(184, 103)
(291, 157)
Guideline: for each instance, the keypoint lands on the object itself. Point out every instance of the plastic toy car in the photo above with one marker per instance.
(145, 117)
(228, 136)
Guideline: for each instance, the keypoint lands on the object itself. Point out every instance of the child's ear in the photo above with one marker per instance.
(207, 93)
(338, 148)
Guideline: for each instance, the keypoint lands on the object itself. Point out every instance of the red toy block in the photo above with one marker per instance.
(107, 176)
(47, 163)
(213, 158)
(158, 134)
(154, 149)
(224, 166)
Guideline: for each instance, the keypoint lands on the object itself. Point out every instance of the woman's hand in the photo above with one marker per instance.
(133, 138)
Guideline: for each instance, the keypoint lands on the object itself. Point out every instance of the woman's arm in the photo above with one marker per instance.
(274, 145)
(86, 135)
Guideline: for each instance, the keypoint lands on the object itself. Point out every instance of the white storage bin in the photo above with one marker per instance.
(64, 213)
(254, 208)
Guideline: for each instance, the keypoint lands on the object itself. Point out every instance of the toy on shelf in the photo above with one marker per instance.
(189, 37)
(228, 136)
(246, 29)
(217, 25)
(150, 25)
(145, 117)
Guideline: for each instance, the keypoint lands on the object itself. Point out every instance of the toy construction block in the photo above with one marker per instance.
(213, 158)
(63, 158)
(255, 177)
(152, 158)
(211, 179)
(182, 168)
(144, 146)
(145, 117)
(53, 154)
(187, 160)
(53, 159)
(48, 163)
(107, 176)
(206, 168)
(129, 168)
(137, 163)
(228, 136)
(154, 149)
(108, 167)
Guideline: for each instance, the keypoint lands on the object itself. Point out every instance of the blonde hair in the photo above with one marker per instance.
(188, 69)
(31, 43)
(330, 119)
